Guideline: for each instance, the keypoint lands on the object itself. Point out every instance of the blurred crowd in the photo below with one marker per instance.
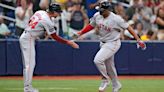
(145, 16)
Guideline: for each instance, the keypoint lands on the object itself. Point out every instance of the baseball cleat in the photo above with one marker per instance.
(104, 84)
(117, 88)
(30, 89)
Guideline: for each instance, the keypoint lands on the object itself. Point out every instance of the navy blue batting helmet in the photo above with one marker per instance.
(105, 4)
(55, 8)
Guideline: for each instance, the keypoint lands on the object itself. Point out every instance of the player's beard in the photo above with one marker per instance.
(101, 12)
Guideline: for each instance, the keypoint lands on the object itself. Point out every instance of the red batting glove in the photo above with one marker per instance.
(141, 44)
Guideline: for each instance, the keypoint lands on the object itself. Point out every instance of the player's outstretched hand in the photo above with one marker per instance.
(73, 44)
(141, 44)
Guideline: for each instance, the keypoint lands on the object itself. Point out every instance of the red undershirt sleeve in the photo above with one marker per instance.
(86, 29)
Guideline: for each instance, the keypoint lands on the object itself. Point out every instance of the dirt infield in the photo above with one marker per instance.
(81, 77)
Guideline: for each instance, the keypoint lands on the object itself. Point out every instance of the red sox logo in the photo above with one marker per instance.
(106, 28)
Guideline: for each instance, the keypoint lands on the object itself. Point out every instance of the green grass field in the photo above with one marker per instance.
(129, 85)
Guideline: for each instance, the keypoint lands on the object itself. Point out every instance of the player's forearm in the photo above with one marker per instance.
(86, 29)
(130, 29)
(59, 39)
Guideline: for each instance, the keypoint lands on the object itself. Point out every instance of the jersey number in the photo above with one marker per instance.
(32, 24)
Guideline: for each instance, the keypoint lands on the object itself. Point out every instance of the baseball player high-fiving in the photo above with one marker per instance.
(38, 22)
(110, 26)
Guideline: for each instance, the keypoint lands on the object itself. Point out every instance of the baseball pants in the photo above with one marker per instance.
(27, 44)
(104, 60)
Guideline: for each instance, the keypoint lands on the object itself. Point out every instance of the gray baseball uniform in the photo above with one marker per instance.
(109, 29)
(38, 22)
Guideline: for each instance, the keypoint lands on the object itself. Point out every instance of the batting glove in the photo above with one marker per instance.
(141, 44)
(76, 35)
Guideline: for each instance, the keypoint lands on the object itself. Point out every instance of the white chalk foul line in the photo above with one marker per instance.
(54, 88)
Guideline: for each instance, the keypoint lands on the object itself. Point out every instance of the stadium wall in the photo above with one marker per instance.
(57, 59)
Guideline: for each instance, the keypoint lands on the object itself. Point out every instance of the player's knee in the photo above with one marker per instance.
(98, 61)
(26, 67)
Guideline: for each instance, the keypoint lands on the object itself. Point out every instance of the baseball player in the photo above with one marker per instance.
(38, 22)
(110, 26)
